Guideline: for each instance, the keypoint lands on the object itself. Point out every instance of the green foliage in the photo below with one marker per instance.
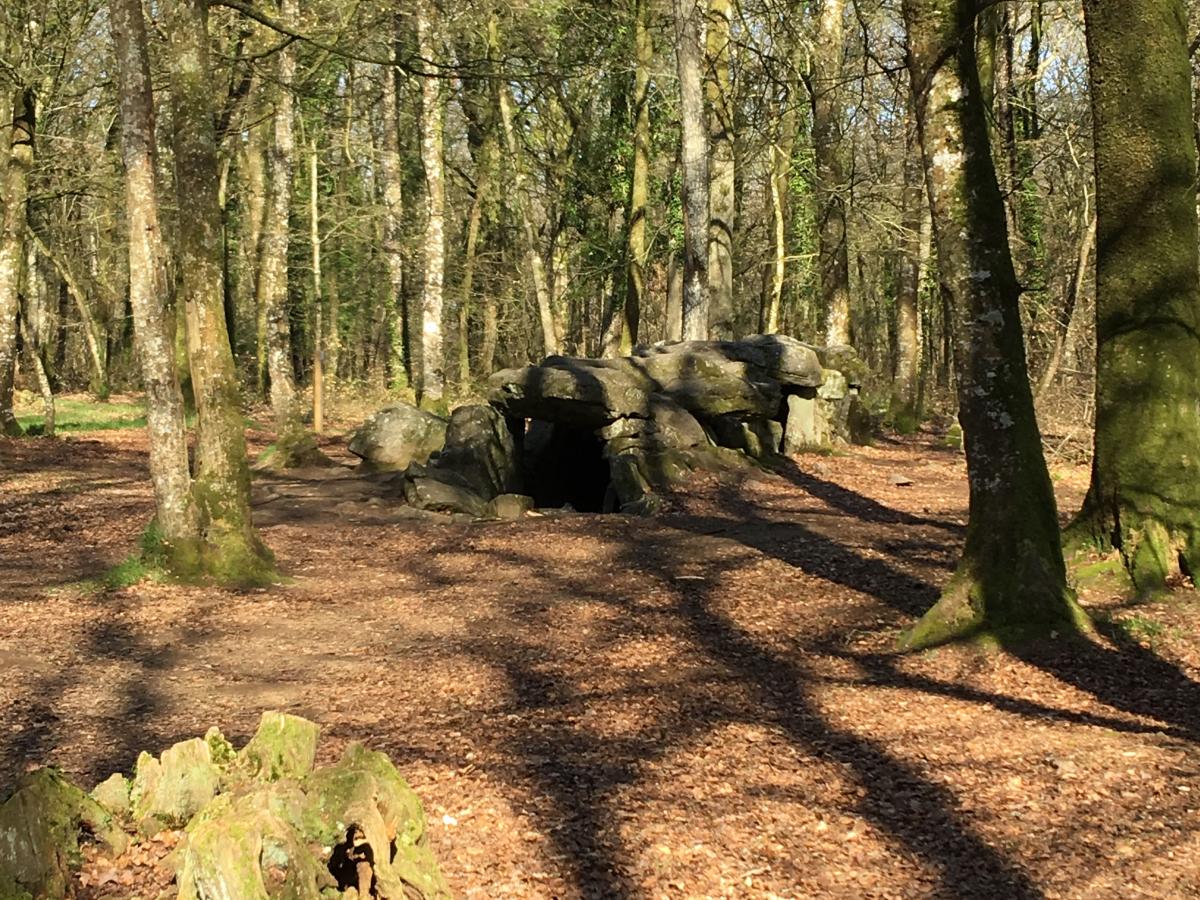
(73, 414)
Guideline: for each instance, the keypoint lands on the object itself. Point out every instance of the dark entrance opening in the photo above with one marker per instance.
(565, 465)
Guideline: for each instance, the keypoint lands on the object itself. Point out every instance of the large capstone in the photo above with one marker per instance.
(610, 434)
(398, 436)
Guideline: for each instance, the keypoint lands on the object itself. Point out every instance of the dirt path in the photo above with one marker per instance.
(700, 705)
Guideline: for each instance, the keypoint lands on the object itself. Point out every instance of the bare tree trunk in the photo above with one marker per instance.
(483, 188)
(254, 172)
(904, 411)
(276, 237)
(432, 381)
(524, 203)
(673, 331)
(639, 191)
(12, 248)
(1011, 575)
(33, 355)
(833, 255)
(314, 237)
(722, 202)
(91, 331)
(233, 551)
(1069, 328)
(393, 224)
(689, 53)
(148, 291)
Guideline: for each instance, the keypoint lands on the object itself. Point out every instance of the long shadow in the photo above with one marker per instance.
(928, 825)
(1131, 678)
(822, 557)
(852, 503)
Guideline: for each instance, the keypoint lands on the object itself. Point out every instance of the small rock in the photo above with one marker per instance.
(898, 480)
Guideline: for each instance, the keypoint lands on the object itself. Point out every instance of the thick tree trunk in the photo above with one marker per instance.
(431, 384)
(833, 261)
(689, 47)
(12, 248)
(1011, 576)
(276, 237)
(1145, 493)
(221, 492)
(722, 202)
(148, 293)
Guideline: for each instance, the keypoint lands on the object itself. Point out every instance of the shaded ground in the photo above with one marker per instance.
(700, 705)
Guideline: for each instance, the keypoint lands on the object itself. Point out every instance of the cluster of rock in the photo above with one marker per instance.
(608, 434)
(260, 823)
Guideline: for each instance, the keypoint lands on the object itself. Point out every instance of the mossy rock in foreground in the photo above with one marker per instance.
(40, 826)
(261, 824)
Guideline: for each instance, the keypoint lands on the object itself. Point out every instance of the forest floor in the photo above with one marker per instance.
(702, 704)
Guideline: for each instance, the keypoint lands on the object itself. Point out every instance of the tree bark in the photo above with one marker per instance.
(722, 202)
(432, 381)
(524, 203)
(689, 48)
(12, 248)
(314, 239)
(904, 412)
(1144, 498)
(273, 278)
(221, 492)
(833, 261)
(1011, 578)
(148, 293)
(393, 225)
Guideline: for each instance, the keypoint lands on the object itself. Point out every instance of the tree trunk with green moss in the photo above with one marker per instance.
(12, 249)
(174, 513)
(1144, 498)
(1011, 578)
(722, 199)
(233, 551)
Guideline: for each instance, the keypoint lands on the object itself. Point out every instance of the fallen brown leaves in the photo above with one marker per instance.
(701, 705)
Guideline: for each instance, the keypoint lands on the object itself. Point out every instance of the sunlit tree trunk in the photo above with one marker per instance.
(1011, 576)
(221, 492)
(314, 240)
(483, 189)
(393, 226)
(639, 189)
(148, 291)
(276, 234)
(12, 248)
(833, 261)
(722, 202)
(689, 54)
(432, 380)
(1144, 498)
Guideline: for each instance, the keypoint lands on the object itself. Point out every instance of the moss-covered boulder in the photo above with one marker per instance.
(40, 826)
(168, 791)
(353, 825)
(283, 747)
(250, 845)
